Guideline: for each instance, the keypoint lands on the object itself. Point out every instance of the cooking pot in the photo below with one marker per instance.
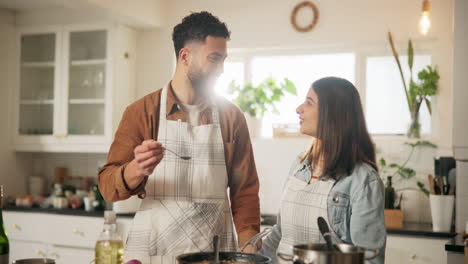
(318, 253)
(224, 258)
(228, 257)
(34, 261)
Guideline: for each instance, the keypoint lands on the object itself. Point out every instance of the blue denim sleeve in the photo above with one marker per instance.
(271, 242)
(367, 223)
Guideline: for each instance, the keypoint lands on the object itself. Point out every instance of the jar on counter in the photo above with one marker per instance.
(60, 202)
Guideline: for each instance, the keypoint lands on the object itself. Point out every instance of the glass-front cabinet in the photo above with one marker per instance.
(65, 93)
(87, 82)
(38, 69)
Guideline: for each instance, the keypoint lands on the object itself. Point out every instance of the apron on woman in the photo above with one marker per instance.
(302, 203)
(186, 201)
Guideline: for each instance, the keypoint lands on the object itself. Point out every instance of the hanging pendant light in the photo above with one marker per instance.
(425, 21)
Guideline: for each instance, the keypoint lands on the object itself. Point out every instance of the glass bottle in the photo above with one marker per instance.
(109, 247)
(389, 194)
(4, 243)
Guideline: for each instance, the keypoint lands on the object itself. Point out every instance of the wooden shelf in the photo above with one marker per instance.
(45, 64)
(87, 62)
(87, 101)
(37, 102)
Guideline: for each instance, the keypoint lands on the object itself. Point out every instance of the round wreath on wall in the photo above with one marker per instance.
(297, 8)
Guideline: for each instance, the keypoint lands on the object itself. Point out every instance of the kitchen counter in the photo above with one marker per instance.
(455, 244)
(409, 229)
(73, 212)
(419, 230)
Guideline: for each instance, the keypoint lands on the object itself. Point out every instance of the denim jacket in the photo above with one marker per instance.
(355, 210)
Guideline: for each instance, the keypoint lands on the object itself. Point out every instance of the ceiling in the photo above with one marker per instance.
(38, 4)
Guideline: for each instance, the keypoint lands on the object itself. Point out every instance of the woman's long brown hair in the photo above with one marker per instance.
(342, 137)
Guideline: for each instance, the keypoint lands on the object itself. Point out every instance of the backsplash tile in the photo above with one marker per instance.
(78, 164)
(273, 167)
(462, 196)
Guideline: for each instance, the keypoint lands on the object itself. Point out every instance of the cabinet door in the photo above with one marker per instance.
(38, 77)
(401, 249)
(87, 67)
(20, 227)
(26, 249)
(71, 255)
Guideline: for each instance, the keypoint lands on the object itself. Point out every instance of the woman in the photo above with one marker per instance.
(336, 178)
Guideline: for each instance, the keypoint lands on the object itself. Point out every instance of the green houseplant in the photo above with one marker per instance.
(256, 100)
(416, 92)
(401, 172)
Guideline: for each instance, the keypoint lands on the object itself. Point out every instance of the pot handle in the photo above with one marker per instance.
(254, 240)
(285, 257)
(375, 251)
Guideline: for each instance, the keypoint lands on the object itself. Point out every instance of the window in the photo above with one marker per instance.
(381, 92)
(386, 108)
(302, 70)
(233, 71)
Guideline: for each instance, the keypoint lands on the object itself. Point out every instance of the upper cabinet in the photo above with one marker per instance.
(74, 82)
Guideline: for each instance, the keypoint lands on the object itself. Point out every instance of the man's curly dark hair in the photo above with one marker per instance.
(197, 26)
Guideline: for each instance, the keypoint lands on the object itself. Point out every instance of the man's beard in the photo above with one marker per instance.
(203, 84)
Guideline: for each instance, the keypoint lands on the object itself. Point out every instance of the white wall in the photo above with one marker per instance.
(139, 13)
(264, 24)
(273, 158)
(147, 13)
(360, 23)
(10, 176)
(77, 164)
(460, 80)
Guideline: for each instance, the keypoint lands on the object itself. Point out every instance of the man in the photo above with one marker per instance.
(185, 200)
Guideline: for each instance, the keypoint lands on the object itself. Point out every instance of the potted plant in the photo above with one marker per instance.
(416, 92)
(400, 172)
(254, 101)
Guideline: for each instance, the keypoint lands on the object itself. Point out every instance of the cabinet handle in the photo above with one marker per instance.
(16, 227)
(78, 232)
(54, 254)
(413, 256)
(40, 253)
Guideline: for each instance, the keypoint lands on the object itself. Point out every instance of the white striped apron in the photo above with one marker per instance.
(186, 201)
(302, 203)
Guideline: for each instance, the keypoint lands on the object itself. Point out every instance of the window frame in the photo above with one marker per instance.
(361, 52)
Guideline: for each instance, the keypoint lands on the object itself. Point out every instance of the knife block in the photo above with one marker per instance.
(393, 218)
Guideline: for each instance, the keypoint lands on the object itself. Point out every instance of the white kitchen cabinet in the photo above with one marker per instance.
(26, 249)
(405, 249)
(74, 81)
(67, 239)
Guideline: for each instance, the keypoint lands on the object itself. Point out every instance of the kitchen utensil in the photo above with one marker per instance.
(325, 231)
(452, 180)
(445, 185)
(229, 257)
(153, 137)
(34, 261)
(439, 185)
(318, 253)
(430, 178)
(224, 258)
(36, 185)
(441, 212)
(216, 248)
(254, 240)
(182, 157)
